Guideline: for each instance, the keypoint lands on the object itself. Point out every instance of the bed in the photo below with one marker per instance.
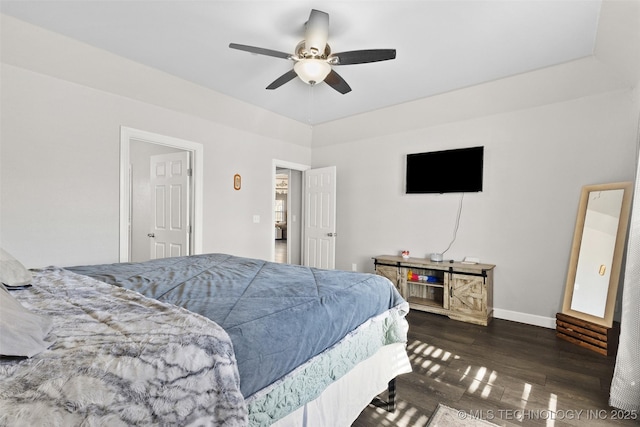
(292, 345)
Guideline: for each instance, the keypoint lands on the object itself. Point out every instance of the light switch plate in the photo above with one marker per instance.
(256, 219)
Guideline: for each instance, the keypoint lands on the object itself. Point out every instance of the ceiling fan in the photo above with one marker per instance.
(313, 59)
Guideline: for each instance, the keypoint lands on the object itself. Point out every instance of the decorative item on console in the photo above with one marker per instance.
(436, 257)
(413, 277)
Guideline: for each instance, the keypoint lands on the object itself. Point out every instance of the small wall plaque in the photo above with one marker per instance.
(237, 182)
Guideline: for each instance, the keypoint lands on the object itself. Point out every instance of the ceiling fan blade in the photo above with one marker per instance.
(335, 81)
(316, 32)
(289, 75)
(364, 56)
(260, 50)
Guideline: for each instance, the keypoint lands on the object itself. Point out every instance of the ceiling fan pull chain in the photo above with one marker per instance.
(310, 100)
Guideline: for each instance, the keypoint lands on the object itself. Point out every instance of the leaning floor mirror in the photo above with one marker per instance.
(597, 251)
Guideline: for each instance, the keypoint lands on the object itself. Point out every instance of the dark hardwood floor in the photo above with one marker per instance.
(509, 373)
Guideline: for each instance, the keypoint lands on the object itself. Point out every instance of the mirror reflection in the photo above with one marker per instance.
(599, 234)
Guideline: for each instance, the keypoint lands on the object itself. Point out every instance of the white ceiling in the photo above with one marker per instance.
(441, 45)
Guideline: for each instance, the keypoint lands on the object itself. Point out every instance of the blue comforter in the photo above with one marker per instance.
(277, 315)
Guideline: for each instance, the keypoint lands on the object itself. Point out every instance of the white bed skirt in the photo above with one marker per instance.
(342, 402)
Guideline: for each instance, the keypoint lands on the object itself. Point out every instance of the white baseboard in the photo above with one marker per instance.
(530, 319)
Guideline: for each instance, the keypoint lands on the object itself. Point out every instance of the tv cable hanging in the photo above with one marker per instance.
(438, 257)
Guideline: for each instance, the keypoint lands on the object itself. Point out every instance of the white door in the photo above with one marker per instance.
(320, 217)
(170, 180)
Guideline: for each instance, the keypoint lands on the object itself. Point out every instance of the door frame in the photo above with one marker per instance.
(283, 164)
(128, 134)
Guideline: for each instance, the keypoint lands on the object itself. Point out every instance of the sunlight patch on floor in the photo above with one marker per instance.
(422, 355)
(553, 407)
(486, 391)
(426, 350)
(466, 372)
(482, 381)
(404, 416)
(526, 391)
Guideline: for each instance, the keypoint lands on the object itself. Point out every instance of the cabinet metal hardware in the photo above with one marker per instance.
(151, 235)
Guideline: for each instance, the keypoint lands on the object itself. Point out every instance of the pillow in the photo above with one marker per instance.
(12, 272)
(22, 332)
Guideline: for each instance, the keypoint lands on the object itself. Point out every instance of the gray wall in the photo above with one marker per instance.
(536, 162)
(59, 158)
(545, 134)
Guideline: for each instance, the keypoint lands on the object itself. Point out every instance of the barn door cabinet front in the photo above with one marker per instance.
(471, 297)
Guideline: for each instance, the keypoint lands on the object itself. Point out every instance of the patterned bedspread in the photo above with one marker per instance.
(119, 359)
(278, 316)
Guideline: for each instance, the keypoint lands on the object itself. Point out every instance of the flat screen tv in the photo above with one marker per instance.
(448, 171)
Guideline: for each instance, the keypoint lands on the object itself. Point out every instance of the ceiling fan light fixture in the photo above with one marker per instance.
(312, 71)
(312, 57)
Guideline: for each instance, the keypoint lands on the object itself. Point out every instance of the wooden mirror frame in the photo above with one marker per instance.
(618, 252)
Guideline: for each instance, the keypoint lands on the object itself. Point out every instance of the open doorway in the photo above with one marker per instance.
(288, 216)
(287, 212)
(316, 217)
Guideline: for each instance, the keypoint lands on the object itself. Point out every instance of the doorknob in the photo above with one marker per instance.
(151, 235)
(332, 234)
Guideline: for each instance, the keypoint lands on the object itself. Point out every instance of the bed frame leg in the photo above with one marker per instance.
(390, 404)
